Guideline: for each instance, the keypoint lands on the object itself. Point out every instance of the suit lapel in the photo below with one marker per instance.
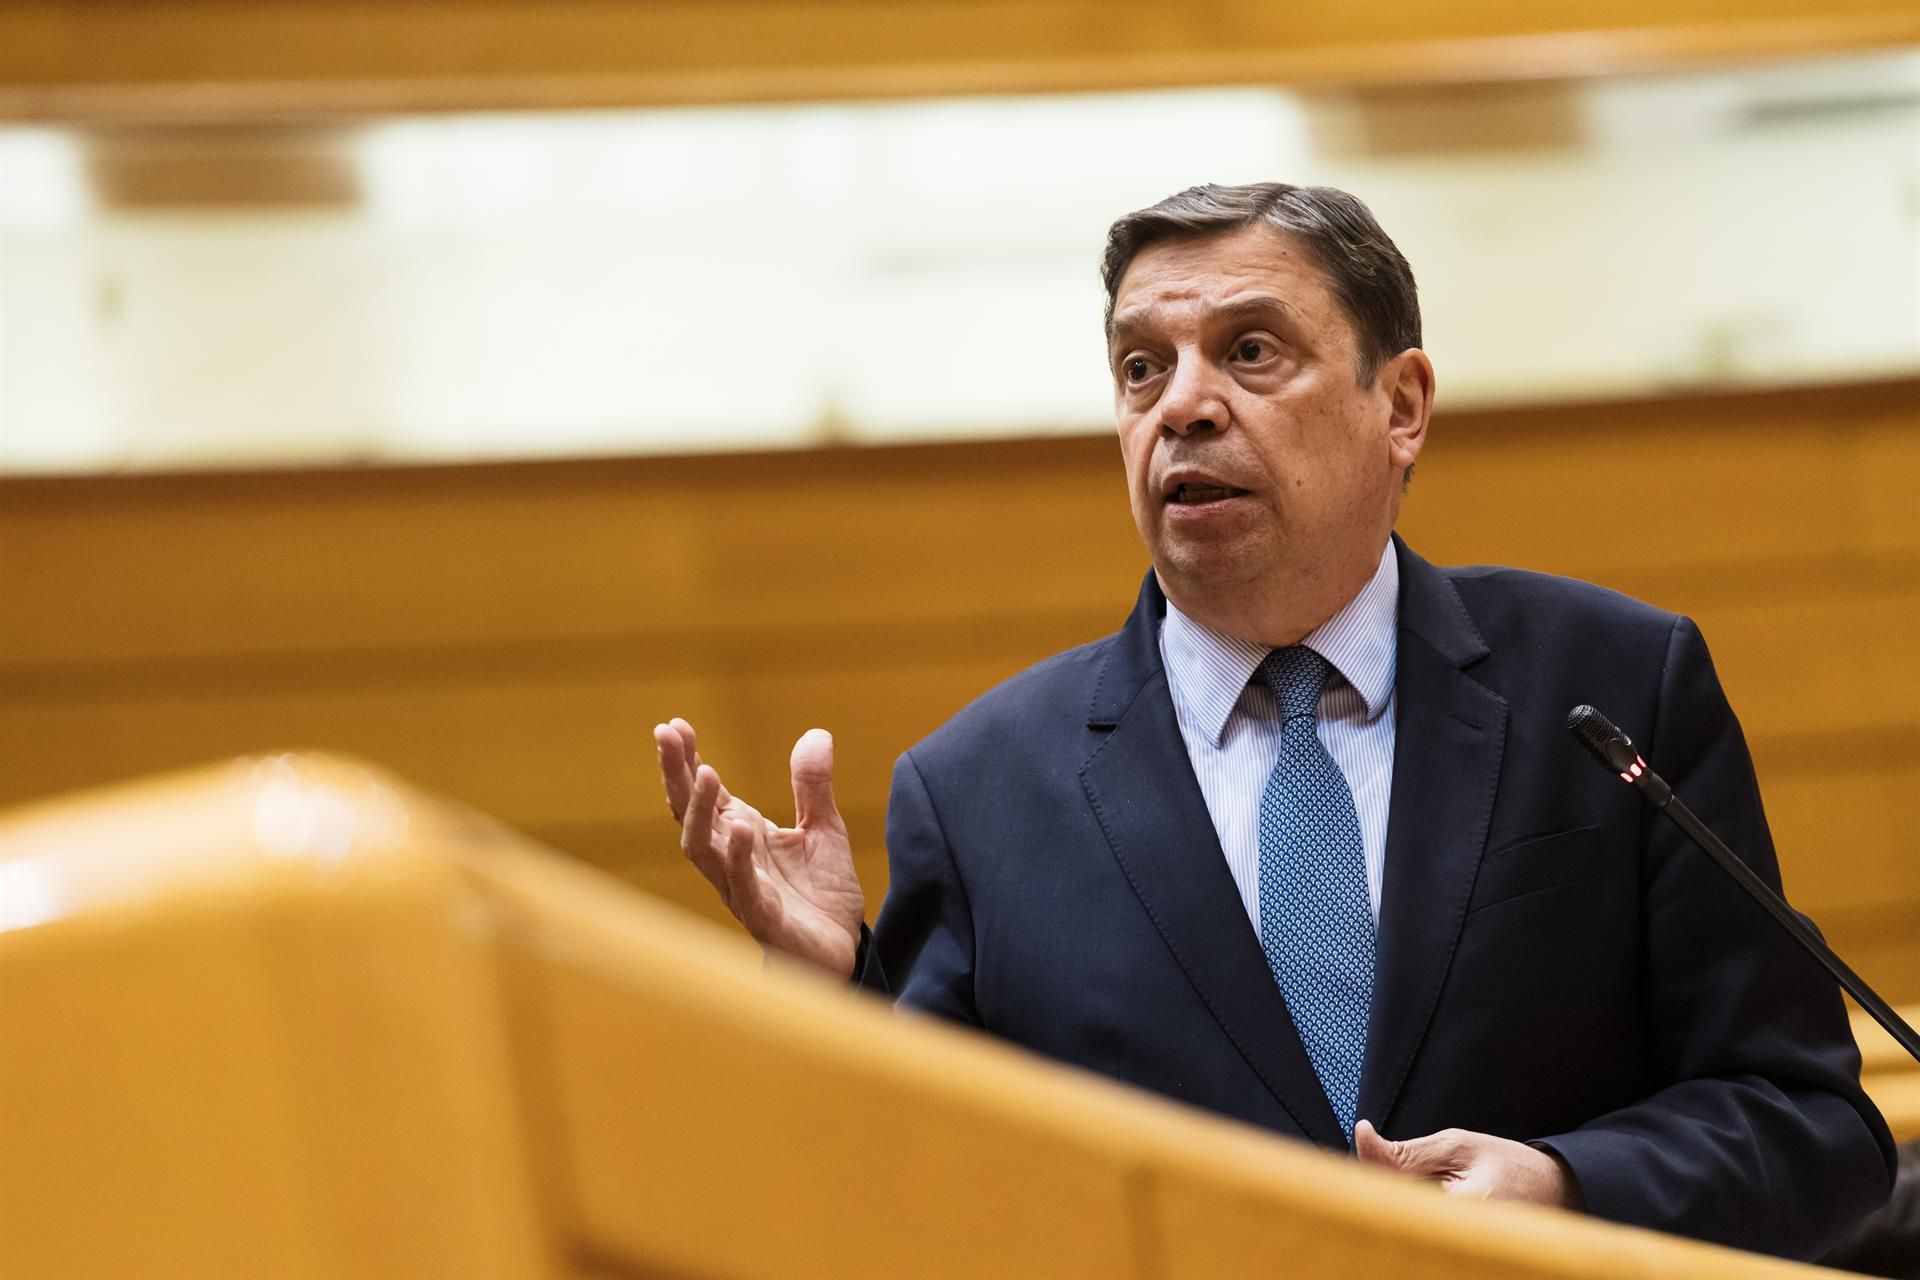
(1449, 738)
(1141, 785)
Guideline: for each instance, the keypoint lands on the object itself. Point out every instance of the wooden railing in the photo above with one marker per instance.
(285, 1018)
(215, 60)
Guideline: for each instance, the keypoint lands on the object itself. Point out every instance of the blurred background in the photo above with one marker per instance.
(469, 385)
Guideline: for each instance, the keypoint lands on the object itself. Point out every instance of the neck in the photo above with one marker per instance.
(1276, 609)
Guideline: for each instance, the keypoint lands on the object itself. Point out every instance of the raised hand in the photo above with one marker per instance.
(794, 888)
(1472, 1164)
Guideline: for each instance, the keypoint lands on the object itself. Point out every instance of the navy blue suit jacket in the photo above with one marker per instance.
(1554, 962)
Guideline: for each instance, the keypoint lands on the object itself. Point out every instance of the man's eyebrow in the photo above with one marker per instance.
(1127, 323)
(1258, 304)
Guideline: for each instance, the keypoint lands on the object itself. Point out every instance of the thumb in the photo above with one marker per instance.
(813, 779)
(1369, 1147)
(1438, 1155)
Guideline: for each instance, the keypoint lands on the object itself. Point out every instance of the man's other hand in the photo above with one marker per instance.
(794, 888)
(1472, 1164)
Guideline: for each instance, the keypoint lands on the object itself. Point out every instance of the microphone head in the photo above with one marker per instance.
(1598, 734)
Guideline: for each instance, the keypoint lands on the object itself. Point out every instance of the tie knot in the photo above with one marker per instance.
(1296, 675)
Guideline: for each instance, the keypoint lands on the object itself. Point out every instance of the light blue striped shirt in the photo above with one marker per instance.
(1233, 735)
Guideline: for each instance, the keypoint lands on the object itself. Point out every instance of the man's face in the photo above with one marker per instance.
(1253, 453)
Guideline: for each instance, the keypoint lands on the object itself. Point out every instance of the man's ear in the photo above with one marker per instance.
(1408, 382)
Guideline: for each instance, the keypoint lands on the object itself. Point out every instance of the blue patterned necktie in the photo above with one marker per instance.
(1316, 922)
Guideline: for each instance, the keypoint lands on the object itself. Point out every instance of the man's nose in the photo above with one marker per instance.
(1192, 401)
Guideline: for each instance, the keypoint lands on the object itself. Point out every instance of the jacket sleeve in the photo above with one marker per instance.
(1755, 1130)
(920, 951)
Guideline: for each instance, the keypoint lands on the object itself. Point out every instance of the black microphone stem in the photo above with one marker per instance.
(1790, 920)
(1616, 751)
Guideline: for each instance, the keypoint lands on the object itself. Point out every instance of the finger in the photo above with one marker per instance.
(689, 742)
(1370, 1148)
(813, 780)
(676, 769)
(690, 748)
(1438, 1155)
(742, 880)
(696, 830)
(685, 732)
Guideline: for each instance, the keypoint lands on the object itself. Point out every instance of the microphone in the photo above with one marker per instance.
(1616, 751)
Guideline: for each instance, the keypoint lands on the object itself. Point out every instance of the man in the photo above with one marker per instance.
(1306, 842)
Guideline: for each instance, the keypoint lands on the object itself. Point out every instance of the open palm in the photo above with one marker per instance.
(794, 888)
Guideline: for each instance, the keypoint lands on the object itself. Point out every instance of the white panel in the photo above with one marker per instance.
(689, 280)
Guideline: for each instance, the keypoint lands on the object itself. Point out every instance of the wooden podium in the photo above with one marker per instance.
(285, 1018)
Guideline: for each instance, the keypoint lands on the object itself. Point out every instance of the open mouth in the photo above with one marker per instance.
(1195, 495)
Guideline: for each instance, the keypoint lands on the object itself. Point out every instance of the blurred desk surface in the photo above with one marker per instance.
(288, 1018)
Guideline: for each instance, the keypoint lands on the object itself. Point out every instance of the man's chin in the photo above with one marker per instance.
(1188, 566)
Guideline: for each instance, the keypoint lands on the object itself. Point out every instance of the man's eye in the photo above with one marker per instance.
(1137, 369)
(1251, 349)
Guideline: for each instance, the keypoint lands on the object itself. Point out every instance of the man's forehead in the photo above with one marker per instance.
(1238, 270)
(1241, 297)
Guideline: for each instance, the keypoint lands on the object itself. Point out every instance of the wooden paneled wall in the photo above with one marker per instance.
(509, 634)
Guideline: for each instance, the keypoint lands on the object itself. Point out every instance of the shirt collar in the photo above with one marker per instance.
(1208, 671)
